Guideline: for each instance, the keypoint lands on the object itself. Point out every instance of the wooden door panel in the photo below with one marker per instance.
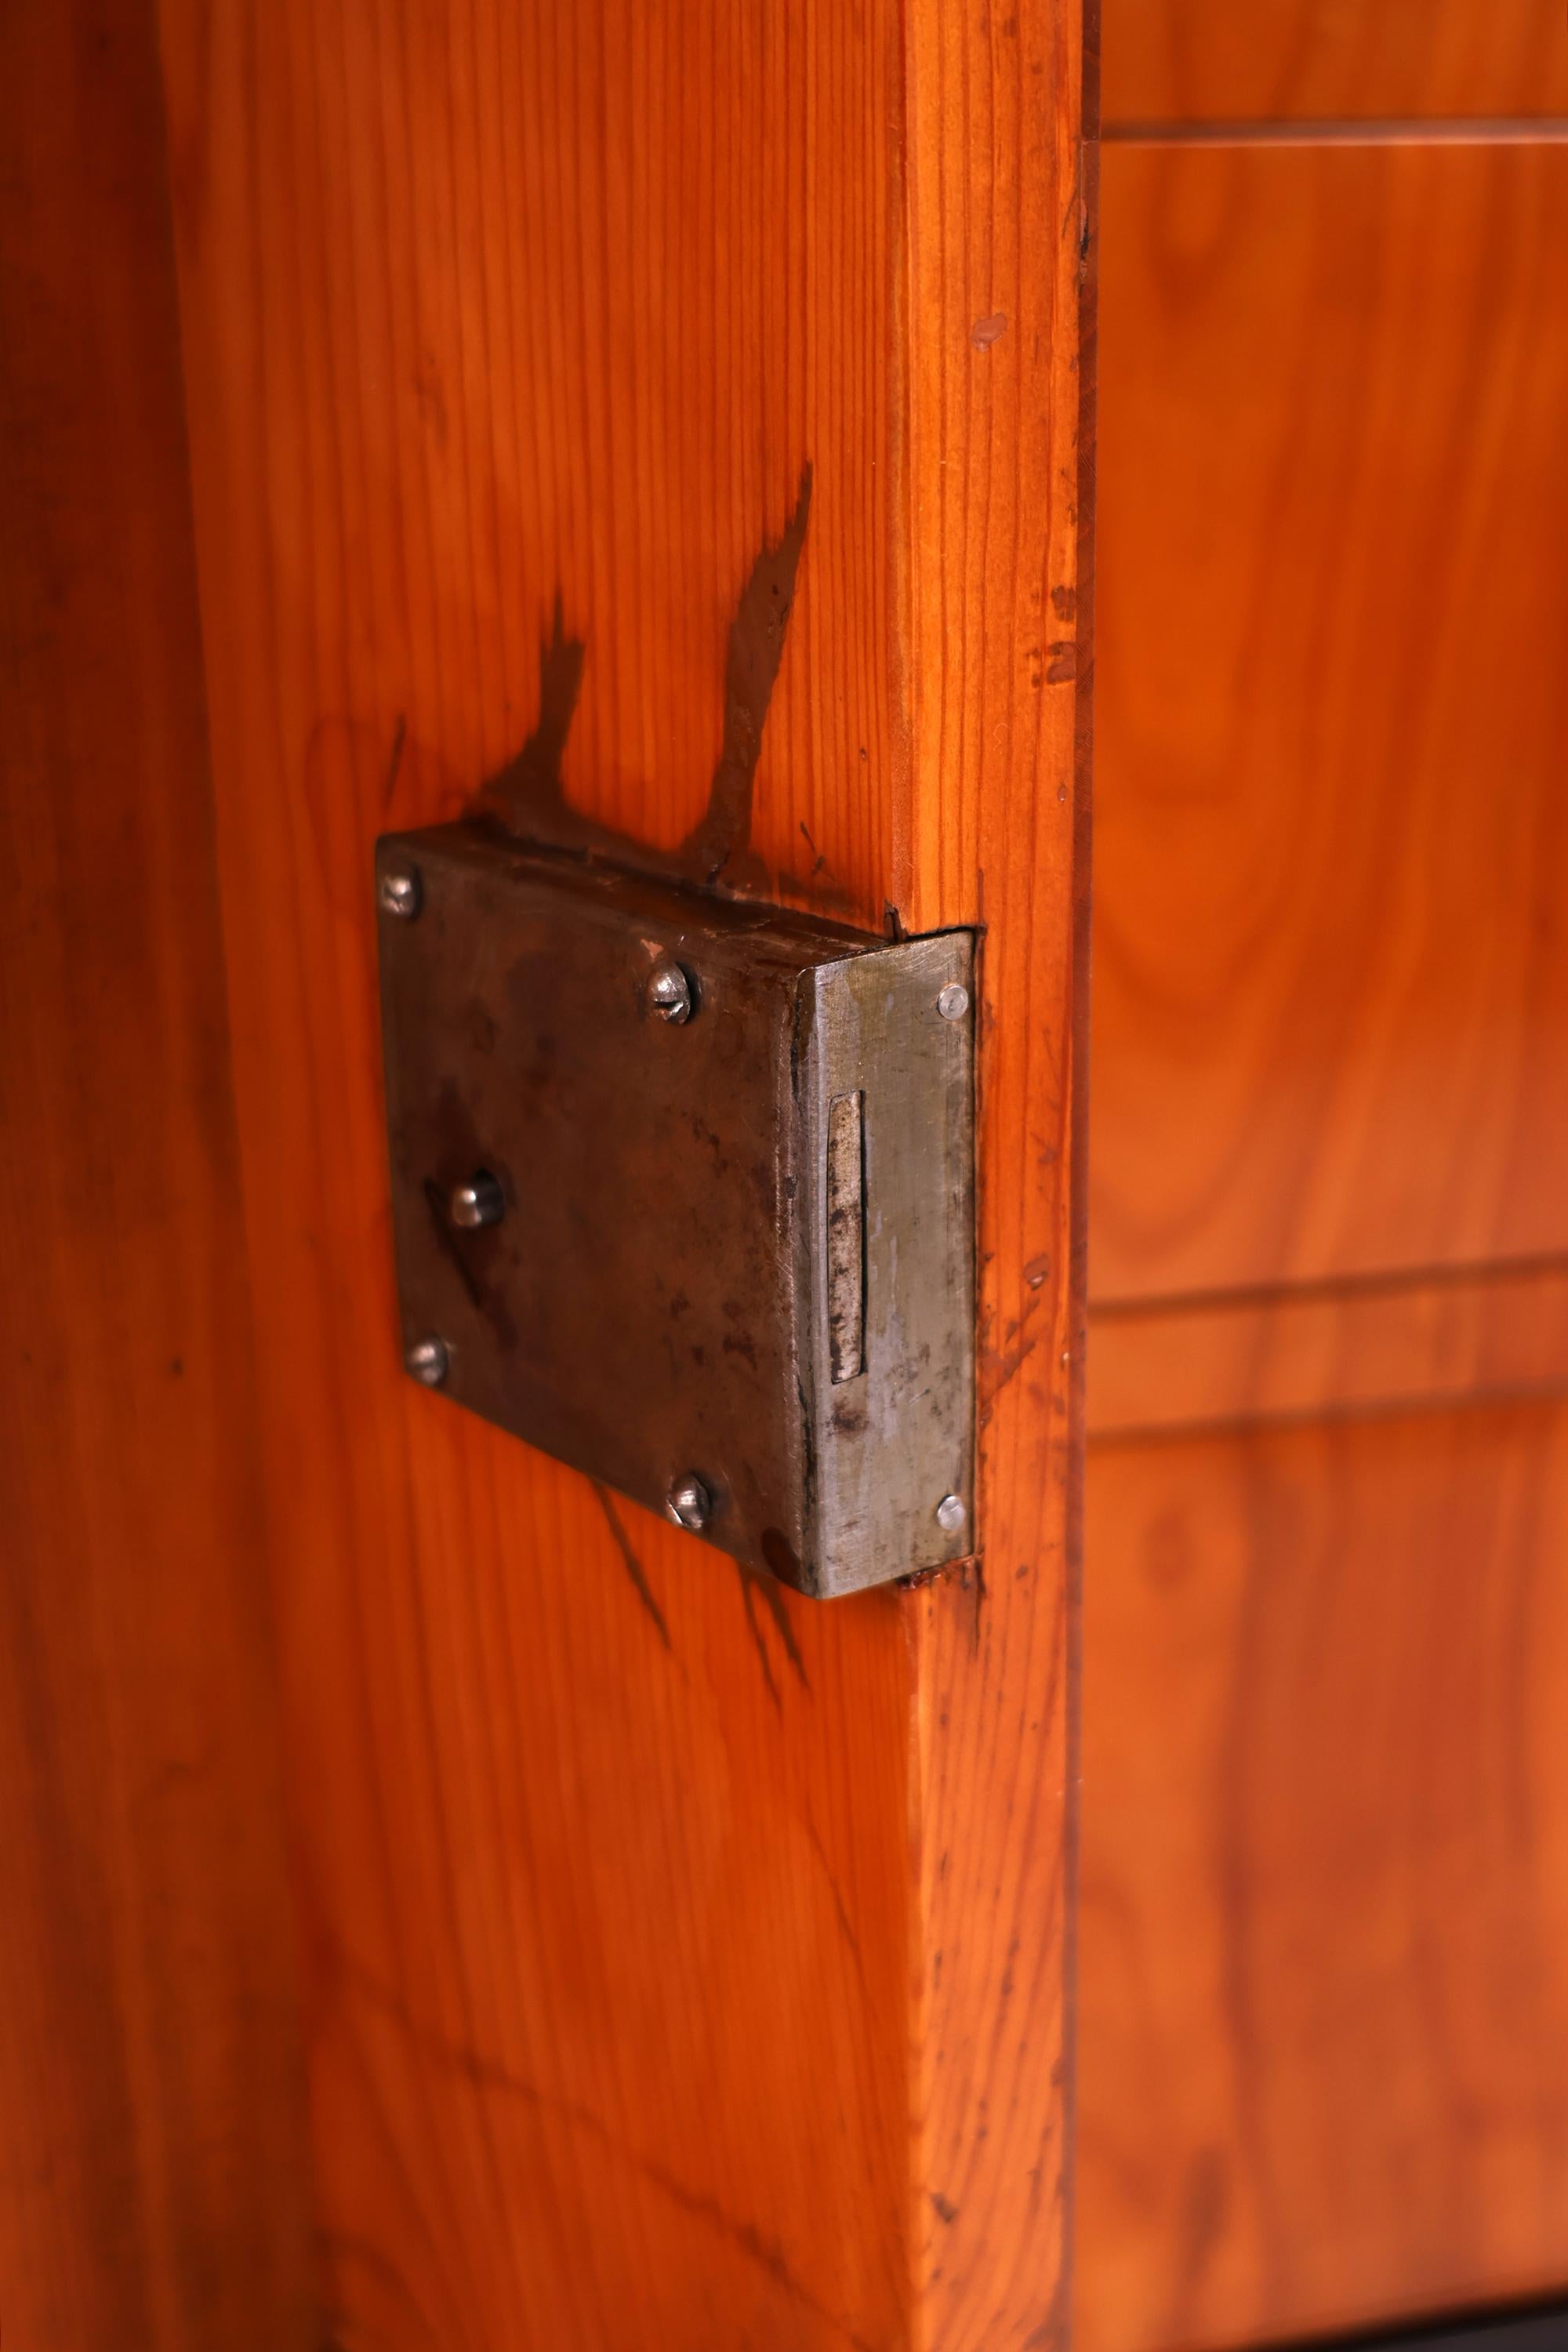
(1326, 60)
(1288, 1353)
(1331, 976)
(153, 2161)
(1324, 1862)
(688, 1960)
(1325, 1882)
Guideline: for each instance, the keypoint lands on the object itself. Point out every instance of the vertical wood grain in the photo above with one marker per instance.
(153, 2168)
(512, 330)
(1001, 214)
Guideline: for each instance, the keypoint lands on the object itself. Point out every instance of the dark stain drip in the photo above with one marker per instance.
(527, 797)
(527, 794)
(781, 1558)
(632, 1564)
(399, 738)
(748, 1578)
(757, 636)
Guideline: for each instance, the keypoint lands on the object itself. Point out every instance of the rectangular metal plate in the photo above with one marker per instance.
(737, 1246)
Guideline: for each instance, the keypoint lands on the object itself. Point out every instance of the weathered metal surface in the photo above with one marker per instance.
(696, 1262)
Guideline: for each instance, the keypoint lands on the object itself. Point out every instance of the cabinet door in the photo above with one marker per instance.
(681, 1963)
(1325, 1887)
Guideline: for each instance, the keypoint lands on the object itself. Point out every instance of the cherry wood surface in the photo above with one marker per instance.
(688, 1965)
(1186, 61)
(1369, 1346)
(1325, 1877)
(154, 2167)
(1331, 965)
(1325, 1880)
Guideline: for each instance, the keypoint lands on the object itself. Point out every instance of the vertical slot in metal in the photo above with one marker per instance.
(846, 1236)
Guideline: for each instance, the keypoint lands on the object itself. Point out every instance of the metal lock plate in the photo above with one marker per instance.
(683, 1194)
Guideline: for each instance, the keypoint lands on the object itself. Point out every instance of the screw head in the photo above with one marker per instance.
(670, 992)
(398, 892)
(951, 1516)
(479, 1201)
(428, 1359)
(953, 1001)
(689, 1503)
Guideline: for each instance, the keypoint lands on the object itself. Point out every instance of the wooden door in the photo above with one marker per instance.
(444, 1907)
(1325, 1859)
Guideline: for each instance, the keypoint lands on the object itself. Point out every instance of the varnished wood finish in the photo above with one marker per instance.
(689, 1960)
(1330, 971)
(152, 2157)
(1325, 1870)
(1325, 1885)
(995, 809)
(1371, 1346)
(1213, 60)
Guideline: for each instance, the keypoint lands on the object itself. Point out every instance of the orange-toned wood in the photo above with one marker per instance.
(1213, 60)
(152, 2155)
(1325, 1882)
(1325, 1857)
(688, 1961)
(995, 807)
(1331, 973)
(1373, 1345)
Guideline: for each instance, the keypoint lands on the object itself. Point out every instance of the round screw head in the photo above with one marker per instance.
(689, 1503)
(479, 1201)
(428, 1360)
(951, 1516)
(670, 992)
(398, 892)
(953, 1001)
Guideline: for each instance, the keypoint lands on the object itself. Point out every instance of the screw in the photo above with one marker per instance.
(951, 1516)
(429, 1360)
(953, 1001)
(670, 992)
(399, 892)
(689, 1503)
(480, 1202)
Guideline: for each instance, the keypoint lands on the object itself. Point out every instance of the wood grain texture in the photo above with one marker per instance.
(152, 2151)
(1332, 972)
(1373, 1345)
(1216, 60)
(1000, 458)
(1325, 1886)
(515, 336)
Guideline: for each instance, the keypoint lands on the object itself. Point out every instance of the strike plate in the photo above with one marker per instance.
(682, 1192)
